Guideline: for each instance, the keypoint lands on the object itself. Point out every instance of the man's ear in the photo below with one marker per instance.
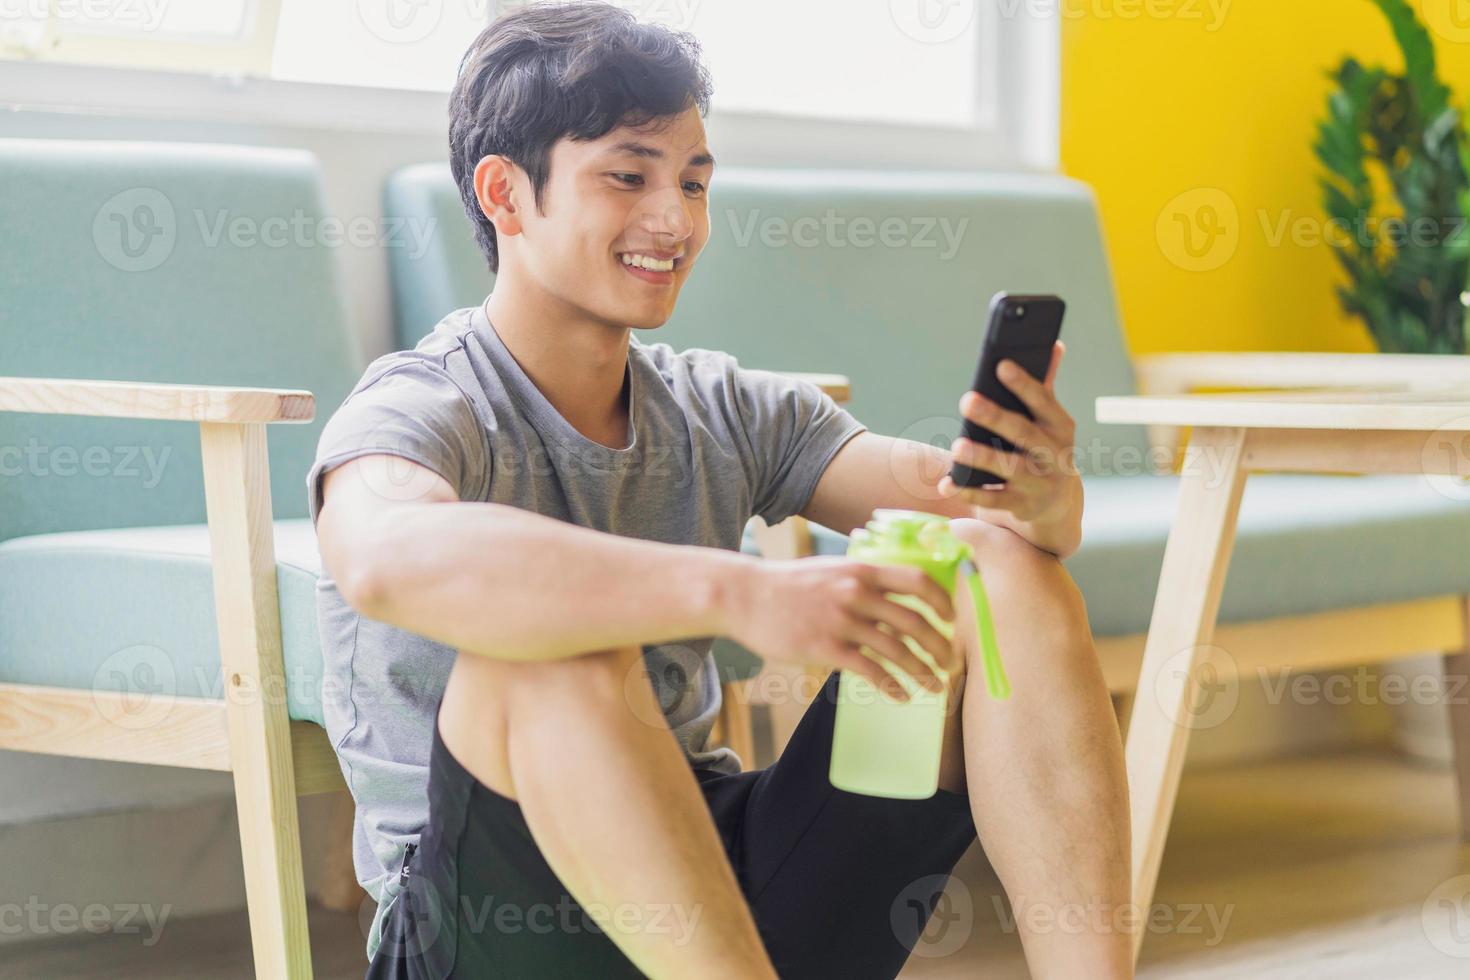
(495, 190)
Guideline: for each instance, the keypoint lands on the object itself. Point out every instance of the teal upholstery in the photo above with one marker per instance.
(791, 281)
(164, 263)
(132, 610)
(447, 274)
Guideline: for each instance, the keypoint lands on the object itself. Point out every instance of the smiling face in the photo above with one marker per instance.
(621, 221)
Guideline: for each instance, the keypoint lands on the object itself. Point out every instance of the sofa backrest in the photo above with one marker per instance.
(883, 277)
(164, 263)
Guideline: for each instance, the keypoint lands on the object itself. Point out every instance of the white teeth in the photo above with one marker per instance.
(648, 262)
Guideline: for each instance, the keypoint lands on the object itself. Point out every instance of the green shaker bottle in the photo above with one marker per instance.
(889, 748)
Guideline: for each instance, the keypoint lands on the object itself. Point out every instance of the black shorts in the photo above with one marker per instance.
(841, 885)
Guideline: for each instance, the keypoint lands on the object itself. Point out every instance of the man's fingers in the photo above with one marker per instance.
(907, 622)
(1033, 394)
(979, 456)
(1012, 426)
(1058, 351)
(907, 580)
(1006, 498)
(853, 659)
(891, 648)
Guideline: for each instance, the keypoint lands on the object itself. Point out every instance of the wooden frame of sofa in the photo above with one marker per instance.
(247, 733)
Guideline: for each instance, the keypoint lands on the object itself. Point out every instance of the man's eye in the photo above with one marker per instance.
(694, 187)
(631, 180)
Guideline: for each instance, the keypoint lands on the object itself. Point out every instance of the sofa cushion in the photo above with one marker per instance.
(132, 610)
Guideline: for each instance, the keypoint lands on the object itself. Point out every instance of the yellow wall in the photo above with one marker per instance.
(1208, 107)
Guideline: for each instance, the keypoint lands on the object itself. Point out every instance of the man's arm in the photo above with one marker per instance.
(1042, 498)
(507, 583)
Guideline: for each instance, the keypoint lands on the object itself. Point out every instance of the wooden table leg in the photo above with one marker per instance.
(1183, 623)
(1457, 694)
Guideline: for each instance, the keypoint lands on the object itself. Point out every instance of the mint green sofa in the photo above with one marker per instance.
(159, 265)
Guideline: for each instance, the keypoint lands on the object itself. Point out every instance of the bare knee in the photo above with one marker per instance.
(1022, 580)
(487, 698)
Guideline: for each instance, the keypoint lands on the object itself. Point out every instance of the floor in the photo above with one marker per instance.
(1321, 867)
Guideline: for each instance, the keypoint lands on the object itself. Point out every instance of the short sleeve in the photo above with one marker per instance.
(414, 411)
(794, 429)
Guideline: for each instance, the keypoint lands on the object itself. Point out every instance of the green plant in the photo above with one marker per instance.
(1407, 274)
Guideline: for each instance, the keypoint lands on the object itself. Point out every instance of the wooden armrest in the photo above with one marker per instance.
(1168, 374)
(141, 400)
(835, 385)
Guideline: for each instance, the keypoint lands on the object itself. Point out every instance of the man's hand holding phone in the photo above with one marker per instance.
(1041, 499)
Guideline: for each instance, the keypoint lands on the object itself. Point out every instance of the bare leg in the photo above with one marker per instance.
(611, 801)
(1044, 769)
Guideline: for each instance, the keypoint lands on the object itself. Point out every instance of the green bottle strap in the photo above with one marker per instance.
(996, 682)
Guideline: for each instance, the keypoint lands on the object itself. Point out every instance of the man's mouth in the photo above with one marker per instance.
(650, 268)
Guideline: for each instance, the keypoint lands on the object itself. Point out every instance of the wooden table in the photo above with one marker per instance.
(1323, 431)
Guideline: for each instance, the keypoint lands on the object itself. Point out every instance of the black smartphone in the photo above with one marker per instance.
(1023, 329)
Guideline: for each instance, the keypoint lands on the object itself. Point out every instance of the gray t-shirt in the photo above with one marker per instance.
(711, 443)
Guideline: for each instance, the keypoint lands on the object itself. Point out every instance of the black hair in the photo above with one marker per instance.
(547, 71)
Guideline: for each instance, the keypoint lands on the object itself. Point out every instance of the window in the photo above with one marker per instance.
(967, 82)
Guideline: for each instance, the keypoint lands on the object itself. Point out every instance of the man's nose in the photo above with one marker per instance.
(665, 215)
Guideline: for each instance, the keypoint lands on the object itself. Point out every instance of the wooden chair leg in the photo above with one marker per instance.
(242, 553)
(1457, 689)
(339, 890)
(734, 725)
(1182, 624)
(792, 686)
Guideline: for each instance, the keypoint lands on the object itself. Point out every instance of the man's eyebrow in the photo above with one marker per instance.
(634, 148)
